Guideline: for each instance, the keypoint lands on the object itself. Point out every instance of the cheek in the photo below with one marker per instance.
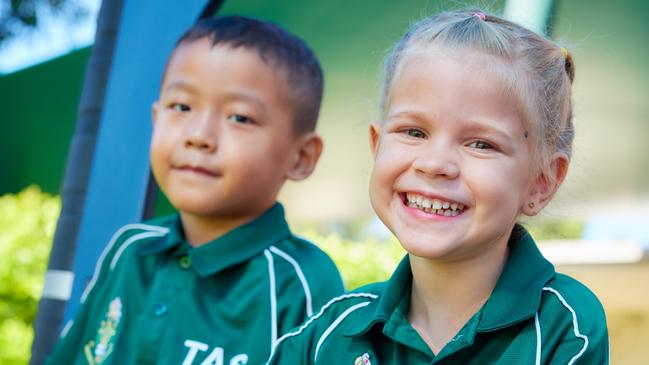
(390, 161)
(501, 184)
(159, 145)
(382, 173)
(389, 166)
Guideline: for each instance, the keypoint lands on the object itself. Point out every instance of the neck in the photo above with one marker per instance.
(445, 295)
(200, 230)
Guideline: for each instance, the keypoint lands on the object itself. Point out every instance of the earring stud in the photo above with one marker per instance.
(531, 205)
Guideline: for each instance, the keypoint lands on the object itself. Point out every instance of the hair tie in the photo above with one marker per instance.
(565, 52)
(480, 15)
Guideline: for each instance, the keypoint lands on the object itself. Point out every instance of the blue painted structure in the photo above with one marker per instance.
(120, 178)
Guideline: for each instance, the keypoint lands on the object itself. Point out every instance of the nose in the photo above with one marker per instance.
(201, 133)
(437, 160)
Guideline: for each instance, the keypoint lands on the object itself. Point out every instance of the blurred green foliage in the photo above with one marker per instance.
(555, 229)
(359, 262)
(27, 224)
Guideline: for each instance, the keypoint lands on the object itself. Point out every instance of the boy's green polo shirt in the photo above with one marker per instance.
(533, 316)
(155, 299)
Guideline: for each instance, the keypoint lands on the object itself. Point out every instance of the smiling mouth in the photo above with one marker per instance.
(433, 206)
(198, 170)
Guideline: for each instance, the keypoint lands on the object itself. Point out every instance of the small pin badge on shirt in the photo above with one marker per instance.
(98, 349)
(363, 360)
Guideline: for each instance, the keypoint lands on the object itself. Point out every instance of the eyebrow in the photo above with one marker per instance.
(471, 124)
(181, 85)
(407, 113)
(247, 97)
(486, 126)
(229, 95)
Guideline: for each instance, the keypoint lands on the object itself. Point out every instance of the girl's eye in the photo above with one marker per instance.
(481, 145)
(179, 107)
(415, 133)
(238, 118)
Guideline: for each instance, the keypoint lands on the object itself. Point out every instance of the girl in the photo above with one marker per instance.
(476, 130)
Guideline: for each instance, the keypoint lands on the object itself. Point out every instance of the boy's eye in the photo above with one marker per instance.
(481, 145)
(415, 133)
(238, 118)
(179, 107)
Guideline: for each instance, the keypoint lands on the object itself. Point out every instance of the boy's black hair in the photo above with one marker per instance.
(273, 44)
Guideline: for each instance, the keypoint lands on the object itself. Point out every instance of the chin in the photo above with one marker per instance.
(431, 252)
(192, 206)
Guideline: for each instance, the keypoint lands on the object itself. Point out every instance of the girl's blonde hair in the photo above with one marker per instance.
(535, 71)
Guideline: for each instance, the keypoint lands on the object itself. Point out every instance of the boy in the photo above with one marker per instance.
(222, 280)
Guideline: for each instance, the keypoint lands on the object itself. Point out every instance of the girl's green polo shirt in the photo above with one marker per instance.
(154, 299)
(533, 316)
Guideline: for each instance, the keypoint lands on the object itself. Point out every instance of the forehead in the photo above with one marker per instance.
(458, 87)
(459, 81)
(219, 68)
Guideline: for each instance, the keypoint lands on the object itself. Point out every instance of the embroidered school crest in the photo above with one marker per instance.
(363, 360)
(98, 349)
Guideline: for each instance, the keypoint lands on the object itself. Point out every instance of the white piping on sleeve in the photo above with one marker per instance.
(66, 328)
(335, 324)
(318, 315)
(575, 324)
(537, 324)
(128, 242)
(300, 275)
(273, 299)
(110, 245)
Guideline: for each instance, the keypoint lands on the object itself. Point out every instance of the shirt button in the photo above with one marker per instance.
(159, 309)
(185, 262)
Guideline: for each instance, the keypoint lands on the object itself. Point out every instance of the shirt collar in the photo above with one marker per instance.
(516, 296)
(234, 247)
(382, 308)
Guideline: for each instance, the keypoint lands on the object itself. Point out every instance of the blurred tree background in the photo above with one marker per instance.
(18, 17)
(28, 221)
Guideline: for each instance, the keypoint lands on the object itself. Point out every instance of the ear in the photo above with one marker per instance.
(308, 151)
(375, 137)
(154, 110)
(546, 184)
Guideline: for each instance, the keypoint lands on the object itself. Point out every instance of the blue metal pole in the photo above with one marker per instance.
(107, 181)
(537, 15)
(119, 178)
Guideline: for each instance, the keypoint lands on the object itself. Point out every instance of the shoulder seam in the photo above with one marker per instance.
(319, 314)
(575, 323)
(335, 324)
(129, 241)
(161, 231)
(300, 275)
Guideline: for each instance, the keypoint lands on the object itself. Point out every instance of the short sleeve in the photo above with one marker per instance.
(573, 324)
(70, 345)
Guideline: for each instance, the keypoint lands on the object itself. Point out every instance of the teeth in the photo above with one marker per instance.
(433, 206)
